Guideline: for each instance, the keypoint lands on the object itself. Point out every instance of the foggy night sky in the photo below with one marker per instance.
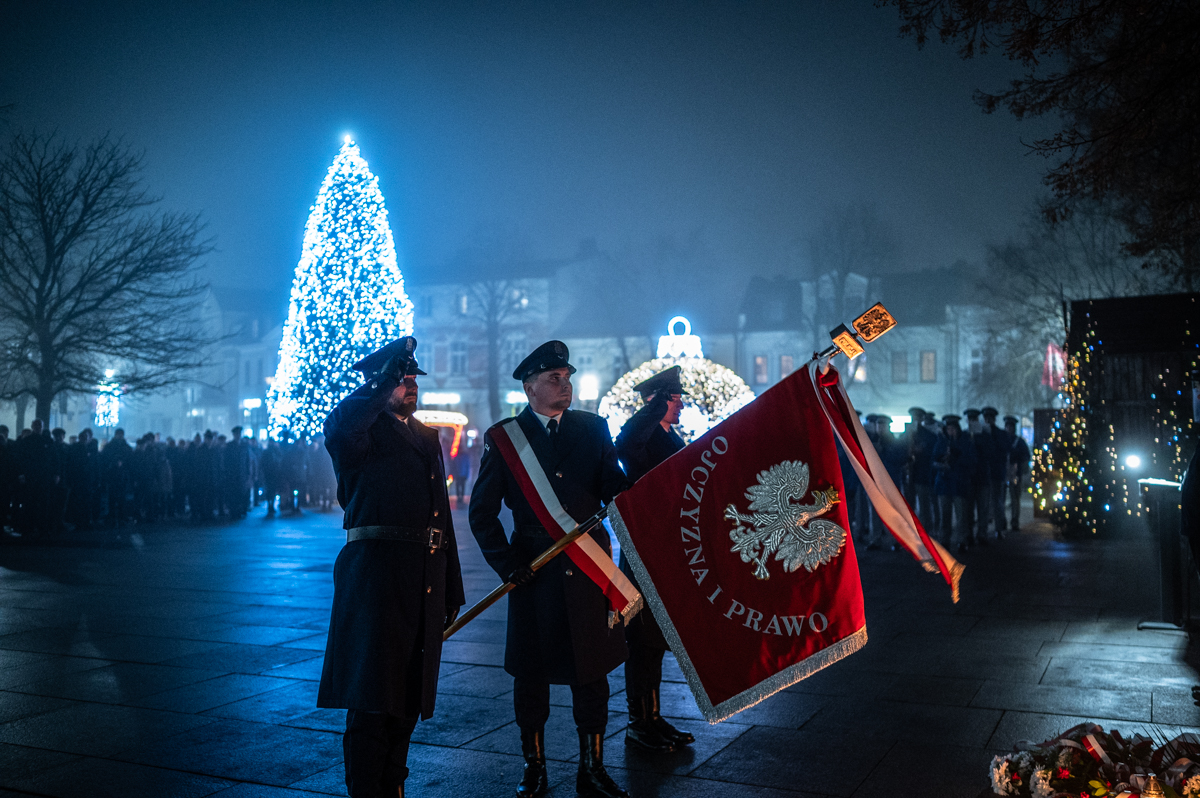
(618, 121)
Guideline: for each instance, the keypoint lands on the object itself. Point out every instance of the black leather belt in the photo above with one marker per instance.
(427, 536)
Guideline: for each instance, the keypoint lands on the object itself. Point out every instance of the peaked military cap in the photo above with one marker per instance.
(550, 355)
(1013, 419)
(990, 411)
(377, 359)
(950, 418)
(917, 411)
(971, 413)
(665, 380)
(883, 418)
(872, 418)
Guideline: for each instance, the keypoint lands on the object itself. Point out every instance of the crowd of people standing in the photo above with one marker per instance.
(964, 484)
(50, 483)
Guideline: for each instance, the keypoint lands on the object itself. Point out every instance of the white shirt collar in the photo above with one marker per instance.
(546, 419)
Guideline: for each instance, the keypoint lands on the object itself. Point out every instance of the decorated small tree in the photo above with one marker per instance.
(347, 298)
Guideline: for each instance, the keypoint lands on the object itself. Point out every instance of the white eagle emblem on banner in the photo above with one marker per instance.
(781, 526)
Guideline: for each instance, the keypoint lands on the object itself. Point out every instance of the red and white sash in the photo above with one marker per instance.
(585, 552)
(893, 510)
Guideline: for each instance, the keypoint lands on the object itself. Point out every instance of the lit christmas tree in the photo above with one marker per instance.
(347, 298)
(713, 392)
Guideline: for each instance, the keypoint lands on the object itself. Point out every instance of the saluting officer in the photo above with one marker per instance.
(558, 630)
(397, 583)
(647, 439)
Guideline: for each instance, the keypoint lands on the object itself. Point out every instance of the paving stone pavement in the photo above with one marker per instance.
(182, 661)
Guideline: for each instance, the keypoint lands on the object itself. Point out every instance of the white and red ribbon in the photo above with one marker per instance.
(893, 510)
(585, 552)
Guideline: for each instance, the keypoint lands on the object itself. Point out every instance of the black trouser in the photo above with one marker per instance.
(643, 670)
(375, 747)
(589, 704)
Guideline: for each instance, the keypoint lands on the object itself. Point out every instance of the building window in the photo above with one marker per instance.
(259, 371)
(425, 305)
(786, 365)
(246, 371)
(458, 358)
(760, 370)
(976, 364)
(928, 366)
(512, 352)
(899, 366)
(461, 304)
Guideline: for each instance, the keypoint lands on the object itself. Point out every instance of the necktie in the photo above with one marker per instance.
(553, 428)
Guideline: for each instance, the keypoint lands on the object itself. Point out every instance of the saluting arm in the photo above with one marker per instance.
(638, 429)
(347, 427)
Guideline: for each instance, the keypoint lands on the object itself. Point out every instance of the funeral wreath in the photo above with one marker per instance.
(1088, 761)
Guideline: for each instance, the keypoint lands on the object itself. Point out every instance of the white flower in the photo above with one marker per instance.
(1064, 759)
(1039, 785)
(1001, 780)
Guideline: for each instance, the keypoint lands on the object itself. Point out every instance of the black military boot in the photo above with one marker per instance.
(533, 780)
(593, 780)
(642, 731)
(676, 736)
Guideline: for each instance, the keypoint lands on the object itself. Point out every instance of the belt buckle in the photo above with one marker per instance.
(435, 538)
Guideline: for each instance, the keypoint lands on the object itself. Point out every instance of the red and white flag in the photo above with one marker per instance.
(740, 543)
(585, 552)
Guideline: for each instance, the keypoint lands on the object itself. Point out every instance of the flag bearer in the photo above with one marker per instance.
(558, 618)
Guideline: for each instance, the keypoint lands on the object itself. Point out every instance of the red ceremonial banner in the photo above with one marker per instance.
(740, 545)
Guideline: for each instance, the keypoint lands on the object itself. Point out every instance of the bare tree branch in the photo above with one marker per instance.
(91, 277)
(1124, 77)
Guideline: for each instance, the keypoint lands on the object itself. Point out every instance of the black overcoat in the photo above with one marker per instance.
(390, 597)
(643, 445)
(558, 628)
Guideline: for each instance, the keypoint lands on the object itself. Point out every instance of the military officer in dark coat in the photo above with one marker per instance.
(647, 439)
(397, 583)
(558, 629)
(997, 468)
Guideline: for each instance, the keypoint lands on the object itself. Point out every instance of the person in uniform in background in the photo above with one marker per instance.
(997, 468)
(894, 455)
(558, 630)
(397, 584)
(321, 478)
(978, 512)
(239, 474)
(921, 441)
(954, 465)
(1018, 467)
(647, 439)
(116, 465)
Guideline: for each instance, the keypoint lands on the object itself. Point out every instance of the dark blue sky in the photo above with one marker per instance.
(619, 121)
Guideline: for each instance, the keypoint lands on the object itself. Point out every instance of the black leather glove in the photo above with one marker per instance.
(522, 575)
(451, 617)
(658, 404)
(396, 366)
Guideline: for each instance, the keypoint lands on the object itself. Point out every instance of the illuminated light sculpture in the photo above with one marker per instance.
(713, 392)
(448, 419)
(347, 298)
